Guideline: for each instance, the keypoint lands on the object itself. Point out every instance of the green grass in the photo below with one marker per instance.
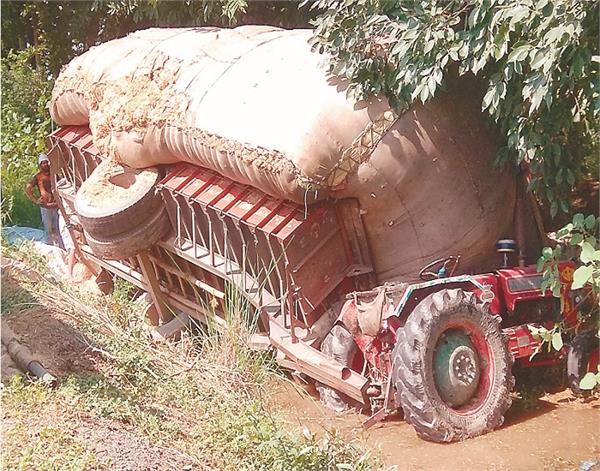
(30, 443)
(204, 395)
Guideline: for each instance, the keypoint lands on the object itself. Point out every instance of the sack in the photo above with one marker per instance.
(253, 103)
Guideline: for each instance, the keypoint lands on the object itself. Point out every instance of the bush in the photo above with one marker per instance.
(25, 123)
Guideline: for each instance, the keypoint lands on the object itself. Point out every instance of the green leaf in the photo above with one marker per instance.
(539, 59)
(554, 34)
(590, 222)
(581, 276)
(576, 239)
(588, 382)
(557, 341)
(540, 264)
(578, 219)
(587, 252)
(519, 53)
(487, 99)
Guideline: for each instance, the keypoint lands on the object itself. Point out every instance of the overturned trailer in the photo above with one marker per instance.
(196, 159)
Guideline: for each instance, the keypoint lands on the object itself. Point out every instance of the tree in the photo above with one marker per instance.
(25, 123)
(537, 58)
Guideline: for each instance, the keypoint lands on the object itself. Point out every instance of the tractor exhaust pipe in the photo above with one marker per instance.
(520, 220)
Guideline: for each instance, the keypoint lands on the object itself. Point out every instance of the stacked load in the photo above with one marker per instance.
(255, 104)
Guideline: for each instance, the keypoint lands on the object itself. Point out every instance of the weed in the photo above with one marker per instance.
(48, 449)
(203, 396)
(29, 443)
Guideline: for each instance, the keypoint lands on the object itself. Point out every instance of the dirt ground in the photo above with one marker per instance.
(560, 434)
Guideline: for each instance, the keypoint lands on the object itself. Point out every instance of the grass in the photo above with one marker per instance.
(28, 445)
(203, 396)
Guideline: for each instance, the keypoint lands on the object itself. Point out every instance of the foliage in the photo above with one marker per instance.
(25, 123)
(590, 380)
(68, 28)
(581, 236)
(538, 60)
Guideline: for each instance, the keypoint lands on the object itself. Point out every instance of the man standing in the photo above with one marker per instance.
(48, 206)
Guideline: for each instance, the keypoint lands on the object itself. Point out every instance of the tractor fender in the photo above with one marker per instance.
(415, 293)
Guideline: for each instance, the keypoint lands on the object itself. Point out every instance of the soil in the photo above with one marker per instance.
(560, 434)
(111, 184)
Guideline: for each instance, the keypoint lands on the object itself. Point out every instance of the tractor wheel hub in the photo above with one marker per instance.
(456, 369)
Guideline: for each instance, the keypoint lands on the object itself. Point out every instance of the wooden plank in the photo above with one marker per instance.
(259, 342)
(117, 268)
(203, 286)
(172, 328)
(195, 310)
(153, 286)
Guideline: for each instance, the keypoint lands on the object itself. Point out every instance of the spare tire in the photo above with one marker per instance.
(116, 198)
(129, 243)
(452, 368)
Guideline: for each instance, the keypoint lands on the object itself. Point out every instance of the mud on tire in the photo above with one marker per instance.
(444, 312)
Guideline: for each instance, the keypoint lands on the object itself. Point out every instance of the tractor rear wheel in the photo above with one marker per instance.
(582, 358)
(452, 368)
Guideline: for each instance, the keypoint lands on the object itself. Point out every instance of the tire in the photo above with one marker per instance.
(439, 405)
(116, 198)
(132, 242)
(339, 345)
(582, 347)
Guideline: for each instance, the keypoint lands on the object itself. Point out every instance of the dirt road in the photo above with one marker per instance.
(559, 435)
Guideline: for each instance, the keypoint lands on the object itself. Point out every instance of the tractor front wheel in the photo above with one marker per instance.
(452, 368)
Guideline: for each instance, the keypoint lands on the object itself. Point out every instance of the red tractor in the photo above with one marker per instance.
(447, 350)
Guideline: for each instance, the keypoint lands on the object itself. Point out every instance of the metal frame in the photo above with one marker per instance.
(225, 233)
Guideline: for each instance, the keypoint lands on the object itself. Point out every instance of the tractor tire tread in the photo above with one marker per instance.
(420, 407)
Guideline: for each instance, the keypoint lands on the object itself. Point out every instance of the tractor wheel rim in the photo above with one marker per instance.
(457, 368)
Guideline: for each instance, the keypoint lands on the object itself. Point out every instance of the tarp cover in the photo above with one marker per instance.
(252, 103)
(255, 104)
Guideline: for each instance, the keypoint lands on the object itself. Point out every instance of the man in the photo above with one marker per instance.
(48, 206)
